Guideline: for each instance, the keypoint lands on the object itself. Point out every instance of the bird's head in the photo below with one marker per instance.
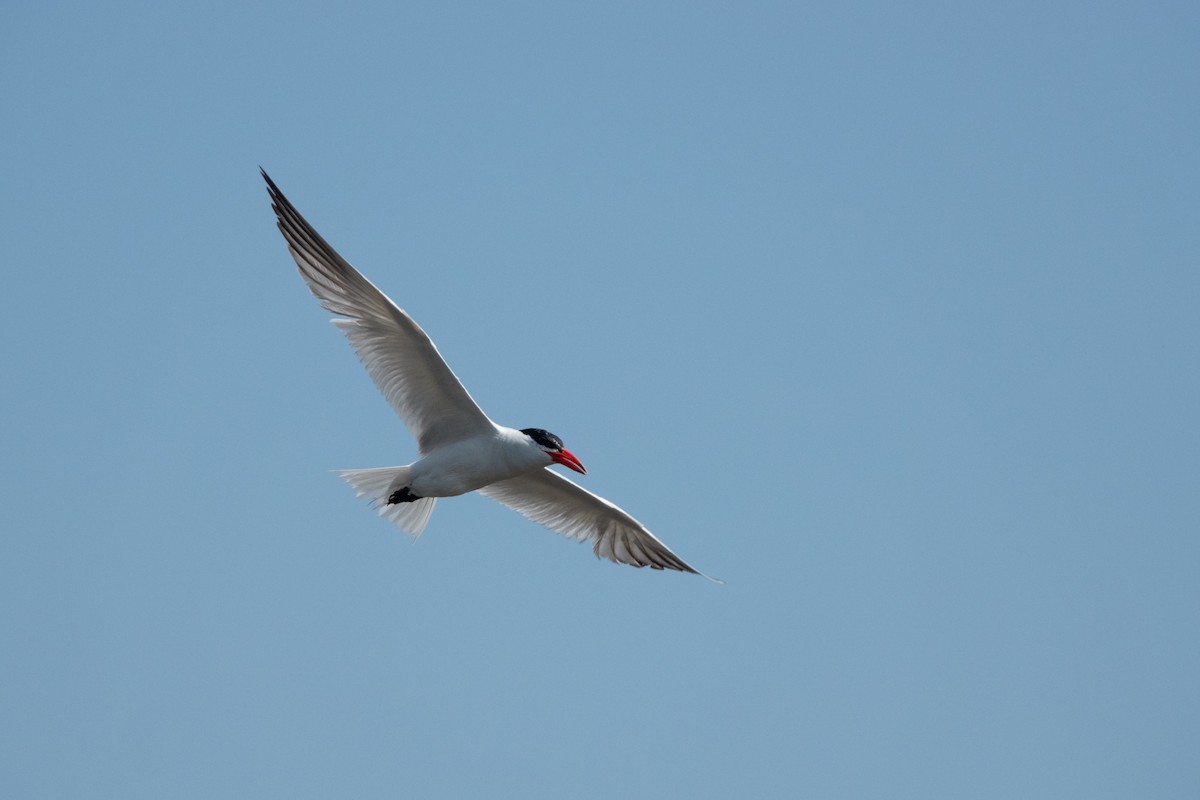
(552, 446)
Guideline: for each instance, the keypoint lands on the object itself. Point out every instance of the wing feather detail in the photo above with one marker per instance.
(564, 506)
(398, 354)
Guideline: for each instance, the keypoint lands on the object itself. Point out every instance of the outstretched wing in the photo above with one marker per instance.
(566, 507)
(400, 357)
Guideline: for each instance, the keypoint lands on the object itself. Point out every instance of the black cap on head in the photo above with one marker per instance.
(543, 437)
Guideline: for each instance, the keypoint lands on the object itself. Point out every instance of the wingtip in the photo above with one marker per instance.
(271, 187)
(690, 570)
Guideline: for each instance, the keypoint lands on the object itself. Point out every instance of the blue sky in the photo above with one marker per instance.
(886, 315)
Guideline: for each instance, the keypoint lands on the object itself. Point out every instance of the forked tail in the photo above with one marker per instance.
(377, 486)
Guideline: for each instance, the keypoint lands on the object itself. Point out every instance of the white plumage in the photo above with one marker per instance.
(461, 449)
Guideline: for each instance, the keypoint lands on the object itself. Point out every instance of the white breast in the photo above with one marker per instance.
(473, 463)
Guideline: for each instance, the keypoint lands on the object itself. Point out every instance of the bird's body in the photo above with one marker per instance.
(461, 449)
(473, 463)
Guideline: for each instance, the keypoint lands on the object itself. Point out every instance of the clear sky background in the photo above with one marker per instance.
(887, 315)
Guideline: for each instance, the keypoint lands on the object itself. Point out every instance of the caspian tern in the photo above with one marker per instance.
(461, 449)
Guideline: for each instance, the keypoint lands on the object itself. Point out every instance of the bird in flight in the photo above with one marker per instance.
(461, 449)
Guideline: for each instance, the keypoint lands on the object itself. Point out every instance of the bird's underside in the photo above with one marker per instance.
(461, 448)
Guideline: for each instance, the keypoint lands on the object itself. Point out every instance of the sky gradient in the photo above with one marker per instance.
(887, 316)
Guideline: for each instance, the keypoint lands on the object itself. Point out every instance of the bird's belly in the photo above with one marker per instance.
(442, 484)
(457, 470)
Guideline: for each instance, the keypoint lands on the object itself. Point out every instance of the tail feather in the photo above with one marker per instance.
(377, 486)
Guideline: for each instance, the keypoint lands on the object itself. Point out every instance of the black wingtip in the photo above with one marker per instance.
(274, 190)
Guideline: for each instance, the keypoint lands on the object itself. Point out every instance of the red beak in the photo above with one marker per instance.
(568, 459)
